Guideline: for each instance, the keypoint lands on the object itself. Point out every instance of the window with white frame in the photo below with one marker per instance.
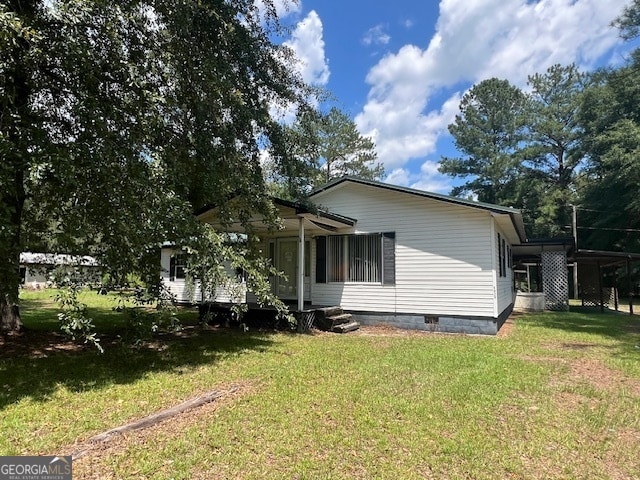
(177, 266)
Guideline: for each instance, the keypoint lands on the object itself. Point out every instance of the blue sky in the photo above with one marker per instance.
(400, 67)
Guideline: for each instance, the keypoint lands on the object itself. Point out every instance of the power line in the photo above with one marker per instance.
(611, 229)
(592, 210)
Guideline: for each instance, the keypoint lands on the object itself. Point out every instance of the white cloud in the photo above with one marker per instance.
(308, 45)
(428, 178)
(400, 129)
(408, 23)
(431, 180)
(474, 40)
(287, 7)
(399, 176)
(376, 36)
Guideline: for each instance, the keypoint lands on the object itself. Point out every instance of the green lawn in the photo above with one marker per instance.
(558, 397)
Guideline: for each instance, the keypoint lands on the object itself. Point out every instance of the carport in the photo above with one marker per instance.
(553, 267)
(594, 267)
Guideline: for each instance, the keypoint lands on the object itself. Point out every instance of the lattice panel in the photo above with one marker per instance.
(591, 297)
(555, 280)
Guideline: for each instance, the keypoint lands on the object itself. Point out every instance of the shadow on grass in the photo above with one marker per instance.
(37, 363)
(40, 313)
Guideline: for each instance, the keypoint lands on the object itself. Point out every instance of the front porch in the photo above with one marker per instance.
(327, 318)
(289, 248)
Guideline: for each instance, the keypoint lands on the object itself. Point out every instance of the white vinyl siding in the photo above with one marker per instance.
(444, 262)
(184, 292)
(503, 271)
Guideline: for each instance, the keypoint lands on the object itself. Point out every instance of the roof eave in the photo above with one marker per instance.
(421, 193)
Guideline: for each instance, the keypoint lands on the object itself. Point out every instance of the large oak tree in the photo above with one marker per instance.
(121, 119)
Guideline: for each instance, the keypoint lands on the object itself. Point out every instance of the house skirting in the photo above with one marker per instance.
(435, 323)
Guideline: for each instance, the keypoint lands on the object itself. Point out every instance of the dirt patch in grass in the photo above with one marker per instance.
(509, 325)
(386, 331)
(91, 465)
(601, 377)
(588, 371)
(586, 389)
(633, 328)
(615, 457)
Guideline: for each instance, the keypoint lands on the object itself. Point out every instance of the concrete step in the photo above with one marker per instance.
(346, 327)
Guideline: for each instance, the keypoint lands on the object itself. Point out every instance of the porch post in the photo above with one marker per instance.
(615, 288)
(300, 289)
(630, 286)
(600, 287)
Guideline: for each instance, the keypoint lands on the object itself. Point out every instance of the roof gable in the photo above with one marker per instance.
(514, 214)
(412, 191)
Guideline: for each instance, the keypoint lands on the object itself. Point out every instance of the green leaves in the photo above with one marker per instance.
(121, 119)
(612, 138)
(74, 321)
(629, 21)
(489, 131)
(324, 147)
(522, 149)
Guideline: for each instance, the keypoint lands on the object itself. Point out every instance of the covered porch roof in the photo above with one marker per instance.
(291, 214)
(296, 219)
(532, 249)
(605, 258)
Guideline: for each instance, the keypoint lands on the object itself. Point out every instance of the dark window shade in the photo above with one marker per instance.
(389, 258)
(172, 268)
(363, 258)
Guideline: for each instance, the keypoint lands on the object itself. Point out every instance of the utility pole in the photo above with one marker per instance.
(575, 259)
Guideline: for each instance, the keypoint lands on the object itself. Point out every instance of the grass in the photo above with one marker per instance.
(557, 398)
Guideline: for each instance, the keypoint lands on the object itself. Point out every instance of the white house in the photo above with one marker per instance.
(36, 268)
(393, 255)
(173, 273)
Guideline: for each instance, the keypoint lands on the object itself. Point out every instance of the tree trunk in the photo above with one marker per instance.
(10, 314)
(17, 127)
(11, 244)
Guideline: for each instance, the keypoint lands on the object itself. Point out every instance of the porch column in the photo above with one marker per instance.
(630, 286)
(300, 289)
(555, 280)
(600, 295)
